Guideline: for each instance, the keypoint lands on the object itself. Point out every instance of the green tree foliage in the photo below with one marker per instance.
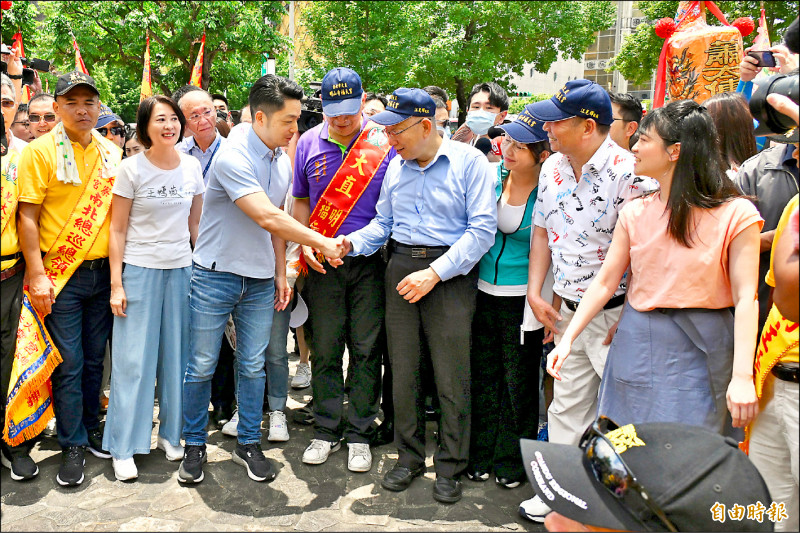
(638, 56)
(450, 44)
(112, 36)
(518, 103)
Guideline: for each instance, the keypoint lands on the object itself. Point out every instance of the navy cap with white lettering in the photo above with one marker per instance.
(341, 92)
(577, 98)
(405, 103)
(526, 129)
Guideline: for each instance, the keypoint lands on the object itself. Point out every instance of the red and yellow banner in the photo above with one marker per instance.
(147, 87)
(29, 402)
(79, 64)
(197, 71)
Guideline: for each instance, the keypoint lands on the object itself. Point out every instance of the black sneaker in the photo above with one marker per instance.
(18, 460)
(96, 444)
(250, 456)
(191, 470)
(71, 471)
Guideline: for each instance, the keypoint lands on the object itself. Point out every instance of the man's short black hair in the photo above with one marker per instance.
(145, 111)
(40, 96)
(217, 96)
(434, 90)
(270, 92)
(497, 95)
(630, 107)
(21, 108)
(792, 38)
(377, 96)
(181, 92)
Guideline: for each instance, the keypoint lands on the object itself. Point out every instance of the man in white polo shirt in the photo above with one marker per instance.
(581, 190)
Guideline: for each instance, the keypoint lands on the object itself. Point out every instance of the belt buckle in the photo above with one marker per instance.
(419, 253)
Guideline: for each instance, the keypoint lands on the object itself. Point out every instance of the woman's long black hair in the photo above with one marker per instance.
(699, 179)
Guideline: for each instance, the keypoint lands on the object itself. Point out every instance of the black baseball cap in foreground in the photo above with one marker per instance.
(70, 80)
(405, 103)
(688, 474)
(577, 98)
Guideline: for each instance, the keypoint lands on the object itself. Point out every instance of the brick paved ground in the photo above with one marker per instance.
(302, 498)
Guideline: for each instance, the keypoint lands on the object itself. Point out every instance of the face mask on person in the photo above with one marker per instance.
(479, 121)
(443, 132)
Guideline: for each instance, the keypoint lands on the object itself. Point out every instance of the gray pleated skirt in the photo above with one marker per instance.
(669, 365)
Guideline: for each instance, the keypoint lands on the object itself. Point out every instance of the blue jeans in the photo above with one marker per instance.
(151, 343)
(278, 360)
(212, 297)
(79, 325)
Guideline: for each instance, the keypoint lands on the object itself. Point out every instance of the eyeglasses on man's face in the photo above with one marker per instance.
(396, 133)
(24, 124)
(47, 117)
(207, 114)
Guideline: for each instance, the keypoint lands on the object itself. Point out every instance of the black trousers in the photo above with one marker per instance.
(505, 391)
(345, 308)
(442, 320)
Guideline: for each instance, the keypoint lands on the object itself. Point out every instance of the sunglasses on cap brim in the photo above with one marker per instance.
(606, 465)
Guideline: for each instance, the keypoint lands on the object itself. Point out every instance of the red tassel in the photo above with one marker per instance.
(745, 25)
(665, 27)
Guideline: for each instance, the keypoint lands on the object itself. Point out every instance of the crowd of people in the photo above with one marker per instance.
(646, 261)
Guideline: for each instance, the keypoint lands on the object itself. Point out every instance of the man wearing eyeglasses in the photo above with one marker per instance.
(21, 127)
(437, 203)
(338, 172)
(41, 114)
(9, 102)
(111, 126)
(201, 119)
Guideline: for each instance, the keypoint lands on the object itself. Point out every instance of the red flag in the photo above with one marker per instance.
(197, 71)
(26, 90)
(79, 64)
(147, 87)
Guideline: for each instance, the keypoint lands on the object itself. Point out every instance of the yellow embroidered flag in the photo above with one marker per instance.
(79, 64)
(147, 87)
(197, 71)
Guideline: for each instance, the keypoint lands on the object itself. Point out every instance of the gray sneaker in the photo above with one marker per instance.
(302, 377)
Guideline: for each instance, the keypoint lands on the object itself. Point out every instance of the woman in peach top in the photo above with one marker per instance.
(679, 353)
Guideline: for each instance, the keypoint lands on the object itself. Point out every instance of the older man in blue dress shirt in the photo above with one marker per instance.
(437, 204)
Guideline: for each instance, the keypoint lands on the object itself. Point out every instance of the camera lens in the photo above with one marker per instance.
(769, 120)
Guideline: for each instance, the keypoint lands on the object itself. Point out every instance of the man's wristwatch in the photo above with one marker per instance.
(14, 76)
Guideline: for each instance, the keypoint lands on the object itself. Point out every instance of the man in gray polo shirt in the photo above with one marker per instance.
(238, 269)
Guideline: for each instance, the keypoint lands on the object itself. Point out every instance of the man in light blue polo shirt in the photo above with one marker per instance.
(437, 202)
(239, 265)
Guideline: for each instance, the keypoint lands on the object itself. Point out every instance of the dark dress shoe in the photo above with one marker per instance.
(446, 490)
(384, 434)
(400, 477)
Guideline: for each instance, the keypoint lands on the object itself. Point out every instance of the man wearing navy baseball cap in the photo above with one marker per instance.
(586, 184)
(338, 172)
(437, 205)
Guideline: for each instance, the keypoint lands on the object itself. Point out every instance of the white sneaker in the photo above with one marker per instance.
(278, 430)
(124, 469)
(319, 450)
(50, 430)
(359, 457)
(231, 427)
(302, 376)
(534, 509)
(174, 453)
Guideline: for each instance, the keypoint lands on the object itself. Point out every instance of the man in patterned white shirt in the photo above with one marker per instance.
(581, 190)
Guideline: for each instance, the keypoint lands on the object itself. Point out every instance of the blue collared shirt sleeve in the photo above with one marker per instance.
(481, 207)
(371, 237)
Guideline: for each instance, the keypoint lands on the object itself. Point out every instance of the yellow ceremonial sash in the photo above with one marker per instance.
(351, 180)
(29, 402)
(10, 191)
(779, 337)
